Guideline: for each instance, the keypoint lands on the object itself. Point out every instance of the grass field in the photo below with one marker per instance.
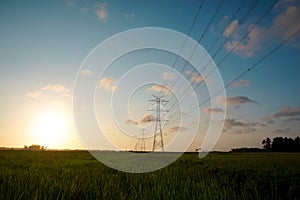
(78, 175)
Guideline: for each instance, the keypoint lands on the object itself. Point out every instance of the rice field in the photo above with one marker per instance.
(78, 175)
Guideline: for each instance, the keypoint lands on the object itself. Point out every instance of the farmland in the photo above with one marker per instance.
(78, 175)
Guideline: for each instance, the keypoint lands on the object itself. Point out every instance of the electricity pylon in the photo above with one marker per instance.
(158, 140)
(140, 145)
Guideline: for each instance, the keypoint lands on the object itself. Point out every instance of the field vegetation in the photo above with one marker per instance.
(78, 175)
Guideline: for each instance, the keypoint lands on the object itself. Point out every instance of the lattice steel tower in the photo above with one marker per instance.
(140, 145)
(158, 140)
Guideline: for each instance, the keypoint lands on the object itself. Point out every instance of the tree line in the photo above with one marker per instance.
(280, 144)
(277, 144)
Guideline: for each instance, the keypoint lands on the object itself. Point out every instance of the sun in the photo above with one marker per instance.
(50, 128)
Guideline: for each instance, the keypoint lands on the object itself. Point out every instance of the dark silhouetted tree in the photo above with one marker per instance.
(267, 143)
(280, 144)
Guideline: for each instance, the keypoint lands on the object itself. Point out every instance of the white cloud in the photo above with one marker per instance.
(86, 72)
(102, 12)
(231, 28)
(194, 76)
(57, 89)
(234, 101)
(160, 88)
(249, 46)
(284, 25)
(109, 84)
(240, 83)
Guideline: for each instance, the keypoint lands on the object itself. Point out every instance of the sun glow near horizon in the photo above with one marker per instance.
(51, 128)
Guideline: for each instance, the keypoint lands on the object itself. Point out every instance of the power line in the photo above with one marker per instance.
(223, 44)
(227, 55)
(186, 38)
(263, 58)
(200, 39)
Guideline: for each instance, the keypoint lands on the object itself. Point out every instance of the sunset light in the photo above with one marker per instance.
(50, 128)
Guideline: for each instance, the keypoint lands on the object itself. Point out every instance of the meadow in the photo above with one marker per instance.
(78, 175)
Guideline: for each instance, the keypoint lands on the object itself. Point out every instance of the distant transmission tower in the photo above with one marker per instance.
(140, 145)
(158, 140)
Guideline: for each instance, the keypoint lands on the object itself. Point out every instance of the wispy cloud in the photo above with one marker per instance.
(288, 112)
(234, 101)
(160, 88)
(86, 72)
(131, 122)
(283, 130)
(61, 89)
(194, 76)
(102, 12)
(240, 83)
(231, 28)
(56, 88)
(244, 127)
(175, 129)
(109, 84)
(147, 119)
(210, 110)
(34, 94)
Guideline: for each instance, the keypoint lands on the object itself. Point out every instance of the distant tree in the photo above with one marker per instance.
(280, 144)
(267, 143)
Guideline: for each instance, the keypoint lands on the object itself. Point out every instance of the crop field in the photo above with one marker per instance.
(78, 175)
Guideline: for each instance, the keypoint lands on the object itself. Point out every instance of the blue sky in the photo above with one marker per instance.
(43, 44)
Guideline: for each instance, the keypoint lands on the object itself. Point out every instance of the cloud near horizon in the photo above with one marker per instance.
(56, 88)
(286, 114)
(34, 94)
(243, 127)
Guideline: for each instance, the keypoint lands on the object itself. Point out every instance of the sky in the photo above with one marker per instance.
(44, 46)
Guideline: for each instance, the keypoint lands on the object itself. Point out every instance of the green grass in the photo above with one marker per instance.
(78, 175)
